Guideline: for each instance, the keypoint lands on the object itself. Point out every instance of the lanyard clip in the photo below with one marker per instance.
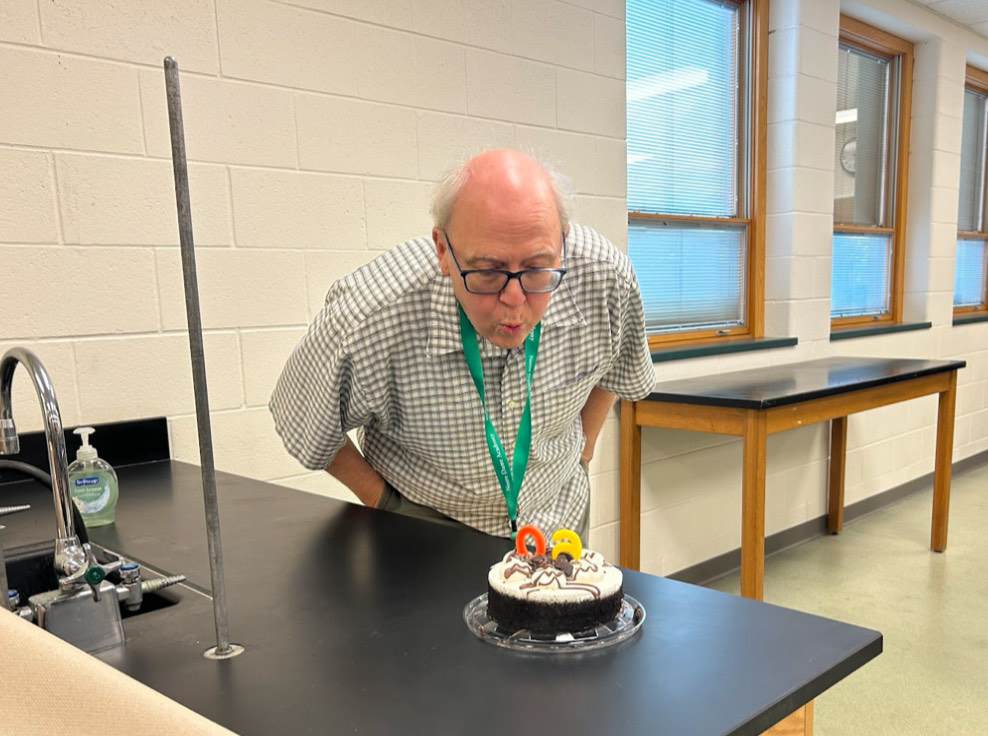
(513, 523)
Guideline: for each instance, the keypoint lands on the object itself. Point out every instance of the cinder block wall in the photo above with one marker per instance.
(316, 131)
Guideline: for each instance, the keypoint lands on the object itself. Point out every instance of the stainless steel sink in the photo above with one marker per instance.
(91, 621)
(31, 571)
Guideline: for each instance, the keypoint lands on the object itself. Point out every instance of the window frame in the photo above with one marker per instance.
(875, 41)
(751, 175)
(977, 80)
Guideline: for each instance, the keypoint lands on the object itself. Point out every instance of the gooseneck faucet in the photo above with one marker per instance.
(75, 564)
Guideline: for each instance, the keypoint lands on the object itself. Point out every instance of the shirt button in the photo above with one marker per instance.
(512, 403)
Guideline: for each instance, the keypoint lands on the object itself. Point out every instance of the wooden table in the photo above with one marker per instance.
(755, 403)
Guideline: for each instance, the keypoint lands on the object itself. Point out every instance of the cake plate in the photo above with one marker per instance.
(621, 627)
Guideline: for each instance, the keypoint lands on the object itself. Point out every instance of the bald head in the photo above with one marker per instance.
(503, 211)
(501, 182)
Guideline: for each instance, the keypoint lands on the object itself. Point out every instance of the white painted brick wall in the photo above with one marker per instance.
(355, 137)
(225, 121)
(237, 287)
(19, 23)
(58, 357)
(316, 130)
(319, 51)
(611, 171)
(142, 33)
(483, 24)
(609, 46)
(510, 88)
(395, 208)
(148, 376)
(27, 190)
(264, 353)
(566, 46)
(322, 268)
(590, 103)
(56, 100)
(409, 70)
(110, 200)
(291, 209)
(557, 147)
(446, 139)
(65, 291)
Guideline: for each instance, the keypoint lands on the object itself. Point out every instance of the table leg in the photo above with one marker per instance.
(838, 462)
(941, 471)
(798, 723)
(753, 505)
(631, 487)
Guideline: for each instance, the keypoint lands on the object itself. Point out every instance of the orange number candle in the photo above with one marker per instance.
(566, 540)
(532, 531)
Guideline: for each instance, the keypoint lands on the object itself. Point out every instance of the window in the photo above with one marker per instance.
(971, 261)
(696, 164)
(874, 80)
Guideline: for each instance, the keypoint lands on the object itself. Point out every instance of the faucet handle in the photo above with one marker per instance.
(94, 575)
(76, 566)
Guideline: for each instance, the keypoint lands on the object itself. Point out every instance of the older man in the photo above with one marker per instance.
(479, 366)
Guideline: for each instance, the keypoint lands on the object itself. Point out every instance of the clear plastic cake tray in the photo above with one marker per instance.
(625, 625)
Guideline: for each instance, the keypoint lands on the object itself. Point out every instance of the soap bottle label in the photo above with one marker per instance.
(91, 493)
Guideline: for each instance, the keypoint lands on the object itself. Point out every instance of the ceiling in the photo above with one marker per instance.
(970, 13)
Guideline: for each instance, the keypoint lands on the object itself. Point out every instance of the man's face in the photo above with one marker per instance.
(533, 240)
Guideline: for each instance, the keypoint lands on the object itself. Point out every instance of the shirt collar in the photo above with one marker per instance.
(444, 321)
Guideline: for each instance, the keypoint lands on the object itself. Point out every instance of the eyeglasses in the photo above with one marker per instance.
(494, 280)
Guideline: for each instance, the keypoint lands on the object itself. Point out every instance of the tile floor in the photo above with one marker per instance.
(932, 677)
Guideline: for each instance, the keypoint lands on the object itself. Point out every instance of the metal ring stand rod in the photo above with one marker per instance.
(223, 648)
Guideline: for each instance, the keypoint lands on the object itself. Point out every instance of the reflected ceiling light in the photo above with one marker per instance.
(663, 83)
(847, 116)
(637, 158)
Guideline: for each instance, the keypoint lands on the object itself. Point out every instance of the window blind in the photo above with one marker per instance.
(970, 210)
(683, 155)
(862, 142)
(861, 271)
(971, 254)
(682, 107)
(694, 275)
(970, 272)
(864, 176)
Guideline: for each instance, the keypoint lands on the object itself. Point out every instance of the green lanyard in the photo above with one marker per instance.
(510, 481)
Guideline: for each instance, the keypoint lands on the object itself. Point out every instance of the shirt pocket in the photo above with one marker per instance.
(556, 404)
(438, 418)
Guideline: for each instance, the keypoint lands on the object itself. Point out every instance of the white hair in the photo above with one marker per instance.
(448, 191)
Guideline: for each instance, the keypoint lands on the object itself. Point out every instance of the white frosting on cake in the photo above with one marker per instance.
(591, 577)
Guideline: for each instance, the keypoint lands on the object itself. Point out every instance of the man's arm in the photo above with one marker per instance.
(593, 414)
(351, 469)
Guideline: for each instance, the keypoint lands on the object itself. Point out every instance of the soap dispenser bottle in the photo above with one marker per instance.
(93, 483)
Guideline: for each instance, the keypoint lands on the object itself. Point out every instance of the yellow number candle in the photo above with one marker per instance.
(536, 535)
(566, 540)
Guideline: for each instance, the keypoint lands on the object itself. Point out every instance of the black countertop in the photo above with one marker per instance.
(352, 621)
(762, 388)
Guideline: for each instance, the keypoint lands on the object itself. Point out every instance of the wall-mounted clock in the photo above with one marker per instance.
(847, 155)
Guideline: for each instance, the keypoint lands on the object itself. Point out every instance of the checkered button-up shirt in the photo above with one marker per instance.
(384, 355)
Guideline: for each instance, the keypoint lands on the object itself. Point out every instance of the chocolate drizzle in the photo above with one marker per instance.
(544, 571)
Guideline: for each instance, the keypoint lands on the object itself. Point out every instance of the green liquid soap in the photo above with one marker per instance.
(93, 484)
